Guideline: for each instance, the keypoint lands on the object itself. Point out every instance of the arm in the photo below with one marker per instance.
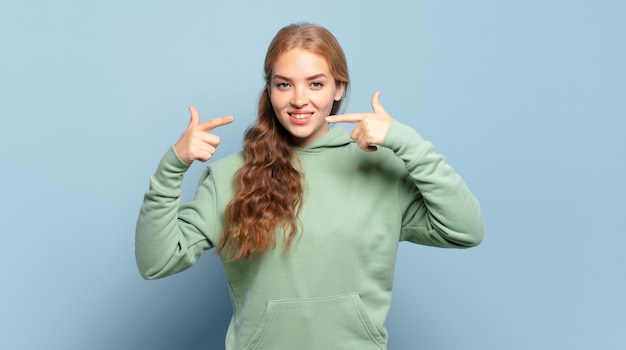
(440, 209)
(169, 238)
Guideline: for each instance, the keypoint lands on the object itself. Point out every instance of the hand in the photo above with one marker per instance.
(196, 143)
(371, 128)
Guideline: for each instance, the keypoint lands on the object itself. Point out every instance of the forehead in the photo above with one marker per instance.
(300, 63)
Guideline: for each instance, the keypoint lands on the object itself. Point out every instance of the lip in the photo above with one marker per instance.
(300, 117)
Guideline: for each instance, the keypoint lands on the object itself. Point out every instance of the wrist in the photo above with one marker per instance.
(179, 154)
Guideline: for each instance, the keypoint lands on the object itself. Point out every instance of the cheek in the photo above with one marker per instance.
(279, 110)
(277, 100)
(324, 101)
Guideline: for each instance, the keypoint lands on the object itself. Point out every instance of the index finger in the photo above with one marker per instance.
(217, 122)
(349, 118)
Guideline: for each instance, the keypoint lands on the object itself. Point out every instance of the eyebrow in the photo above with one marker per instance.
(313, 77)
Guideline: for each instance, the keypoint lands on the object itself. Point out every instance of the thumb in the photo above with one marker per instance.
(376, 105)
(195, 117)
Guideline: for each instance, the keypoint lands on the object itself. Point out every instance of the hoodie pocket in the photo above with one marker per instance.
(336, 322)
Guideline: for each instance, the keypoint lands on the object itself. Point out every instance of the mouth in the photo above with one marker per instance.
(300, 115)
(300, 118)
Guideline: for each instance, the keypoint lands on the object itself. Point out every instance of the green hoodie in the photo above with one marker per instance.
(332, 288)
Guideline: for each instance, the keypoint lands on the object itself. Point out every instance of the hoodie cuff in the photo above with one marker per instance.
(169, 173)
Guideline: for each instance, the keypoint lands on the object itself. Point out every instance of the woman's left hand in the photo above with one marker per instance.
(371, 128)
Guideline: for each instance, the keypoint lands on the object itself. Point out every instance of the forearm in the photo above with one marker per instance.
(161, 237)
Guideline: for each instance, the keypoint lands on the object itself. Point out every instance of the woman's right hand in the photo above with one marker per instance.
(196, 143)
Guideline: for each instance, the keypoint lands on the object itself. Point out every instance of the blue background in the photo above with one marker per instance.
(526, 99)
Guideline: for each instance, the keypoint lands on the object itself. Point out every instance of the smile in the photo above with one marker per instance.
(300, 115)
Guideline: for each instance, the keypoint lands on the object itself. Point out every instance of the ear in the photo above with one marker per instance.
(339, 92)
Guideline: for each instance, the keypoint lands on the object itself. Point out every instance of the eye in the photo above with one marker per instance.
(317, 85)
(282, 85)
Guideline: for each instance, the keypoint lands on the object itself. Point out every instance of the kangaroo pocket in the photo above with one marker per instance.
(337, 322)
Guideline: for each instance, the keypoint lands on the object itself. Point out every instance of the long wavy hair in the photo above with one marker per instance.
(268, 187)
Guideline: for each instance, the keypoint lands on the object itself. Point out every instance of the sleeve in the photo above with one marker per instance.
(439, 209)
(169, 237)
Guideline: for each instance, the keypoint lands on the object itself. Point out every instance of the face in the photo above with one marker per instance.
(302, 92)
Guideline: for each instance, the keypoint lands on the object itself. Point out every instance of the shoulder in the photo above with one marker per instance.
(228, 165)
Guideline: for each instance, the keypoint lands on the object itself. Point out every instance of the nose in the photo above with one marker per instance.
(299, 98)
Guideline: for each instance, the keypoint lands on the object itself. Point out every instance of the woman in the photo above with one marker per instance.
(307, 219)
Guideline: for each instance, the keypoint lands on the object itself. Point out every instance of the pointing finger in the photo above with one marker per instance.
(349, 118)
(214, 123)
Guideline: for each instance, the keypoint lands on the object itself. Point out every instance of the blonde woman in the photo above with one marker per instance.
(307, 218)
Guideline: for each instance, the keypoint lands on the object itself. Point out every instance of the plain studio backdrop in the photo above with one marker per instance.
(526, 99)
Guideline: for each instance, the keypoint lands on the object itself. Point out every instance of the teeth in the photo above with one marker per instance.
(301, 116)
